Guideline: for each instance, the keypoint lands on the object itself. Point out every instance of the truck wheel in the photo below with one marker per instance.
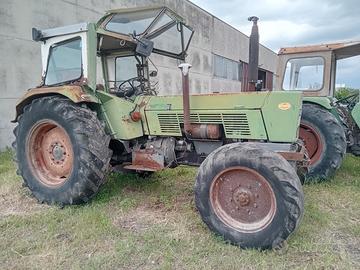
(62, 151)
(324, 139)
(249, 195)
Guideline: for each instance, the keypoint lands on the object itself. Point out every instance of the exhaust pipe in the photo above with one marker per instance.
(185, 67)
(194, 131)
(253, 55)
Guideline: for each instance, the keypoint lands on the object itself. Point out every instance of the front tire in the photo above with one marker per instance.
(324, 139)
(62, 151)
(249, 195)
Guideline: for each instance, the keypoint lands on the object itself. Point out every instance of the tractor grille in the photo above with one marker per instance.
(234, 124)
(169, 123)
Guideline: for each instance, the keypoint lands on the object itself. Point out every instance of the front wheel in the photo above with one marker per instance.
(250, 196)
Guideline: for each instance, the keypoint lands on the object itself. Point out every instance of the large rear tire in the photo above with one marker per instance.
(324, 139)
(249, 195)
(62, 151)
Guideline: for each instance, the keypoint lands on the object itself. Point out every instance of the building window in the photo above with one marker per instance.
(227, 69)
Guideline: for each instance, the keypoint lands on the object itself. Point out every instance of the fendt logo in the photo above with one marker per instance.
(284, 106)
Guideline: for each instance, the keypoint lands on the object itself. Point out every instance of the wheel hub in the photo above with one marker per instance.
(58, 152)
(243, 199)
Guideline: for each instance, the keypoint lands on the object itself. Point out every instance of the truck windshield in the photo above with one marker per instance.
(305, 74)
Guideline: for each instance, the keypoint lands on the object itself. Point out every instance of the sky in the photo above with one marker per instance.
(286, 23)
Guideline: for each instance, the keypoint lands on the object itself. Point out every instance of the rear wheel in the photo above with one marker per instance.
(250, 196)
(324, 139)
(62, 151)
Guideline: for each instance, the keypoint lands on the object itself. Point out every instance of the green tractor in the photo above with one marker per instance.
(96, 108)
(328, 126)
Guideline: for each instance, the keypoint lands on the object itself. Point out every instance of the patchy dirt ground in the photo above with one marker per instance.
(152, 224)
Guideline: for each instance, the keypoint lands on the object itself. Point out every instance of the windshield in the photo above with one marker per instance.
(305, 74)
(168, 32)
(127, 23)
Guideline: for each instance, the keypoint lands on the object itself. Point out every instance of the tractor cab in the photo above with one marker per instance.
(312, 69)
(126, 38)
(112, 54)
(329, 125)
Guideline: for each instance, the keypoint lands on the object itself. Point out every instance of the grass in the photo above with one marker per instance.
(153, 224)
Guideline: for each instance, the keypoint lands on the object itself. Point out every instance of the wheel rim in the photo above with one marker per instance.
(50, 153)
(243, 199)
(312, 141)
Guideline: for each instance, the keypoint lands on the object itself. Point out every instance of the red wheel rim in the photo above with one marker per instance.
(312, 141)
(243, 199)
(50, 154)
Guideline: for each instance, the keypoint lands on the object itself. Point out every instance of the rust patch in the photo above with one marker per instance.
(146, 160)
(300, 155)
(293, 156)
(74, 92)
(202, 131)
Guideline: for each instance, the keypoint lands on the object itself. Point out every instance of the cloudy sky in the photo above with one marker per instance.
(297, 22)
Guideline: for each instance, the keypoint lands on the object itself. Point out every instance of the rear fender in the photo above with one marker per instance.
(324, 102)
(73, 92)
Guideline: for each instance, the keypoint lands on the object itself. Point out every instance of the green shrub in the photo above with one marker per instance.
(343, 92)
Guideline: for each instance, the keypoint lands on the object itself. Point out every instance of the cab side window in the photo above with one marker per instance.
(64, 63)
(305, 74)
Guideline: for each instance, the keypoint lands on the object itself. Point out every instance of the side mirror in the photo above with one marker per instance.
(144, 47)
(153, 73)
(36, 34)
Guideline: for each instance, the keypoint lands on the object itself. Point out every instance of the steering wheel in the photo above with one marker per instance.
(128, 91)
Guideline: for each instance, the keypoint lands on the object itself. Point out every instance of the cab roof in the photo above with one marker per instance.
(340, 49)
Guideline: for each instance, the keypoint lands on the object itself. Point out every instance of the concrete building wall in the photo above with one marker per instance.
(20, 67)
